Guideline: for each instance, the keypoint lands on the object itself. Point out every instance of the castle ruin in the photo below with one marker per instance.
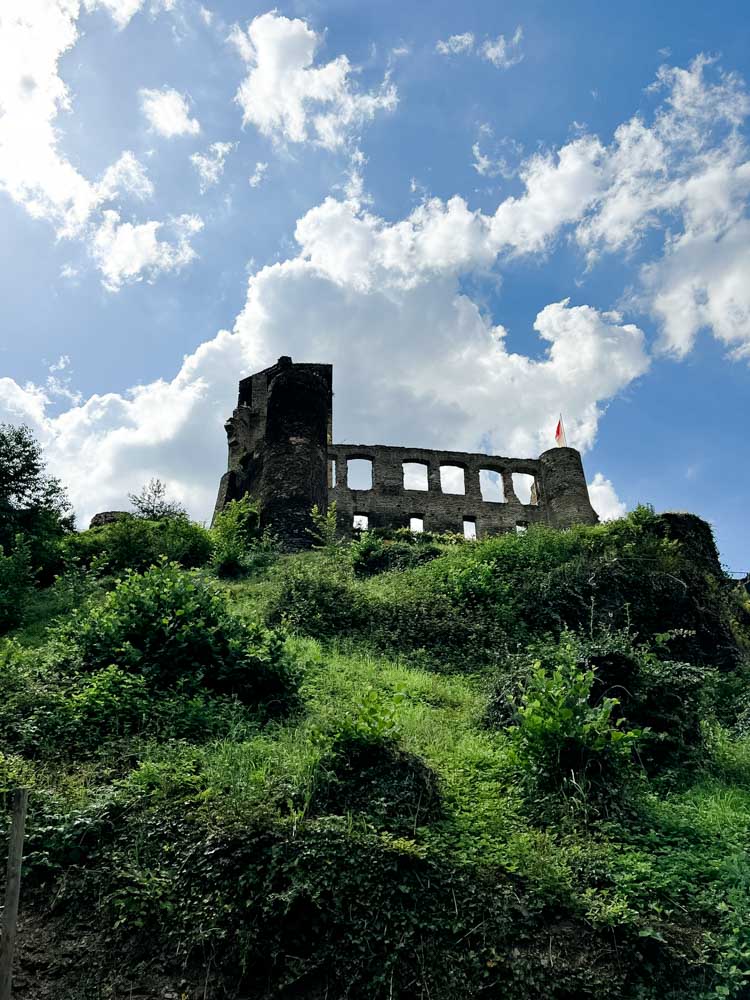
(281, 452)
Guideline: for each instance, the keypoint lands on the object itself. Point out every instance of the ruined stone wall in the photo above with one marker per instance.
(280, 452)
(559, 496)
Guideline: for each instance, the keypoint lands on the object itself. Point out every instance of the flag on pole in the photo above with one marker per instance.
(560, 439)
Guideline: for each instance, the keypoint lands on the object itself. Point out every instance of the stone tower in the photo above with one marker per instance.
(278, 441)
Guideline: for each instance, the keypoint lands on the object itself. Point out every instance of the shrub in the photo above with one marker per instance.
(315, 596)
(365, 771)
(239, 545)
(574, 754)
(135, 543)
(376, 553)
(176, 631)
(667, 699)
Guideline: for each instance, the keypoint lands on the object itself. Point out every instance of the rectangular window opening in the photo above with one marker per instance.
(416, 524)
(452, 479)
(491, 485)
(521, 527)
(359, 474)
(360, 522)
(522, 486)
(470, 529)
(331, 473)
(415, 476)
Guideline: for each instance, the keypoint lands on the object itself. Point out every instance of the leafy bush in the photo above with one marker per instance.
(52, 714)
(315, 596)
(176, 631)
(376, 552)
(132, 543)
(239, 545)
(574, 754)
(666, 699)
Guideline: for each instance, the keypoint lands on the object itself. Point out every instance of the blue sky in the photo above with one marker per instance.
(482, 214)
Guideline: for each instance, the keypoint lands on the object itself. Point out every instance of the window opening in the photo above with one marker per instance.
(470, 529)
(452, 479)
(522, 484)
(491, 485)
(416, 524)
(415, 476)
(359, 474)
(360, 522)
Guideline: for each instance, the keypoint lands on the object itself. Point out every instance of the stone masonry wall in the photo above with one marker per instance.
(559, 497)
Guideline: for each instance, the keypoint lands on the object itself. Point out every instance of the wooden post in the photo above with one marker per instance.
(12, 890)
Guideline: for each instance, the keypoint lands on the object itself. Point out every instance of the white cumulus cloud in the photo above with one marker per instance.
(168, 112)
(450, 377)
(604, 499)
(290, 99)
(125, 252)
(502, 52)
(123, 11)
(258, 174)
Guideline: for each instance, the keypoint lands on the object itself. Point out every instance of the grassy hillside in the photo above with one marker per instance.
(405, 767)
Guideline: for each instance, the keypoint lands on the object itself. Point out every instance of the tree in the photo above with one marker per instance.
(34, 508)
(153, 504)
(24, 482)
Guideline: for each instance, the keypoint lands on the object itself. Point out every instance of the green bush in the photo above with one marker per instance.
(239, 546)
(375, 552)
(316, 596)
(133, 543)
(177, 632)
(667, 699)
(51, 714)
(575, 755)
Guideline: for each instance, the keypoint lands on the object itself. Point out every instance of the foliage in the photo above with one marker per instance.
(153, 504)
(574, 753)
(324, 531)
(34, 507)
(667, 700)
(316, 596)
(133, 543)
(176, 631)
(15, 584)
(240, 547)
(376, 552)
(24, 482)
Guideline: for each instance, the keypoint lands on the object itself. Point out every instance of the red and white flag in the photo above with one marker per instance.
(560, 439)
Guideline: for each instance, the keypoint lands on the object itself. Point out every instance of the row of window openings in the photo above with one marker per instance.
(361, 522)
(359, 477)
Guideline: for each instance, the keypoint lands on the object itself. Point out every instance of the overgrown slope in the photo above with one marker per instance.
(514, 768)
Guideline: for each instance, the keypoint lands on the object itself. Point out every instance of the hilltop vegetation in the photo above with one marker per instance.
(409, 766)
